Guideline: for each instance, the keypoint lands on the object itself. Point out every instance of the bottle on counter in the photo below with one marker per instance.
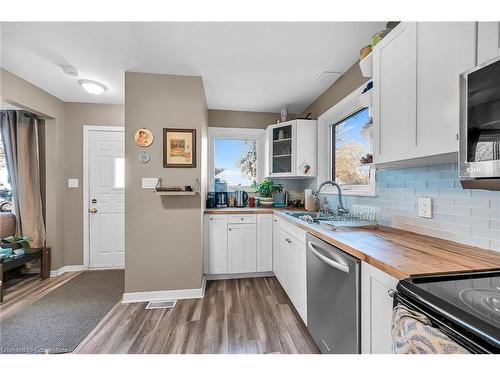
(231, 200)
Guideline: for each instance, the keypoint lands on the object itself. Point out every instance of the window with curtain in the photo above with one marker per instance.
(5, 187)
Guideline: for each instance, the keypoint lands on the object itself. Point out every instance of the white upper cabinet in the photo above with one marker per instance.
(444, 51)
(488, 41)
(416, 70)
(292, 149)
(394, 94)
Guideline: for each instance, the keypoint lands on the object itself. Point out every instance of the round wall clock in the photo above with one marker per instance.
(143, 137)
(144, 156)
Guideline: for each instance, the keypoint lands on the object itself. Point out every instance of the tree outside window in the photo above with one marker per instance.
(351, 142)
(236, 161)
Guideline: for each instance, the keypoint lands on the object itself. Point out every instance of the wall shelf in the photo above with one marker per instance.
(366, 65)
(175, 192)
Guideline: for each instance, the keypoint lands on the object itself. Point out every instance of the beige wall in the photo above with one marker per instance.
(163, 241)
(241, 119)
(78, 115)
(346, 84)
(23, 94)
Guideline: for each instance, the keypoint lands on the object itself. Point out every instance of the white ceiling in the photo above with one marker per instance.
(245, 66)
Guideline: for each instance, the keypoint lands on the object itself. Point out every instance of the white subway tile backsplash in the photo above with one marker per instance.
(467, 216)
(485, 212)
(472, 202)
(472, 241)
(495, 204)
(494, 224)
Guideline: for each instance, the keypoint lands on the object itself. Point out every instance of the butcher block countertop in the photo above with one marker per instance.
(249, 210)
(397, 252)
(401, 253)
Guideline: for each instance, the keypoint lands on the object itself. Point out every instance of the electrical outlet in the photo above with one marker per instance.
(425, 207)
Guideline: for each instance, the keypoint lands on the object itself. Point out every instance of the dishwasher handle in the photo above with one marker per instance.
(330, 262)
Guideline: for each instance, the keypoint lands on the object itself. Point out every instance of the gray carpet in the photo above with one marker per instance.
(59, 321)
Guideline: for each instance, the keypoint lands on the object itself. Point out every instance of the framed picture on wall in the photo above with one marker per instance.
(179, 148)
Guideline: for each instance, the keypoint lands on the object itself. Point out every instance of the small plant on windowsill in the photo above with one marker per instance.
(266, 189)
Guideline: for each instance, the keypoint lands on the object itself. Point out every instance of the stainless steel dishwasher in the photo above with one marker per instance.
(333, 298)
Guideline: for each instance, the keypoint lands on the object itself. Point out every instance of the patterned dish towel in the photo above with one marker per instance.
(412, 333)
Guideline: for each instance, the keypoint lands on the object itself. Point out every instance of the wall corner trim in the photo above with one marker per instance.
(157, 295)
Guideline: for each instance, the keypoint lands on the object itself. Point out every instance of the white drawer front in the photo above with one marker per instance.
(242, 219)
(296, 232)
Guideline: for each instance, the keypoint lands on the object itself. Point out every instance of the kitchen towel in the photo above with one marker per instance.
(412, 333)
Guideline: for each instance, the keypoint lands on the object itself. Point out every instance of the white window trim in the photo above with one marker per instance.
(346, 107)
(235, 133)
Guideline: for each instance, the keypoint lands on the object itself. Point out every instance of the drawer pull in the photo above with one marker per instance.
(242, 219)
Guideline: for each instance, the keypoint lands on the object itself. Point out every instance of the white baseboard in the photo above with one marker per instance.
(64, 269)
(228, 276)
(78, 268)
(156, 295)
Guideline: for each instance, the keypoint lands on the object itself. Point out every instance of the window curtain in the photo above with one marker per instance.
(20, 136)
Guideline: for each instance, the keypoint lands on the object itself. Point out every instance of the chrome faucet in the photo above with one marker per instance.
(341, 209)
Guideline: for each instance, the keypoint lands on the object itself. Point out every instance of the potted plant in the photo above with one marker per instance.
(266, 189)
(15, 242)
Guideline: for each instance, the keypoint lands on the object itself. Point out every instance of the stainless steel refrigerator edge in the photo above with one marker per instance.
(333, 298)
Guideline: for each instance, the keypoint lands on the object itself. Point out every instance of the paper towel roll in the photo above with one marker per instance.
(309, 200)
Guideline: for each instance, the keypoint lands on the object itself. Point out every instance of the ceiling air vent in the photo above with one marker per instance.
(328, 77)
(161, 304)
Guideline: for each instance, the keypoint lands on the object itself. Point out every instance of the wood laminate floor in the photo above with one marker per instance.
(235, 316)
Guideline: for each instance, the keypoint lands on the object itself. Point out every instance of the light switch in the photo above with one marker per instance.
(425, 207)
(72, 183)
(149, 183)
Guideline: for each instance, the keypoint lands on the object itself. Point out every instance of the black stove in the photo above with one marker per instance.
(465, 306)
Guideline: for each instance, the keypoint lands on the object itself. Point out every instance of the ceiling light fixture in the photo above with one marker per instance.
(92, 87)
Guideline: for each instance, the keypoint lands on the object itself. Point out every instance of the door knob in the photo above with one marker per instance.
(93, 210)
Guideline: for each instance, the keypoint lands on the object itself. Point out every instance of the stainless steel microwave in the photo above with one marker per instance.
(479, 154)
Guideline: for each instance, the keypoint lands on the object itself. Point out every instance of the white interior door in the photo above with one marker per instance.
(106, 199)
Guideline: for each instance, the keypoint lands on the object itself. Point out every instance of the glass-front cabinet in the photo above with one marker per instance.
(292, 148)
(282, 149)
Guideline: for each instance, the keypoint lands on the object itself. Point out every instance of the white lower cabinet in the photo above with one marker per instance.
(276, 247)
(239, 244)
(376, 310)
(217, 232)
(289, 265)
(264, 243)
(242, 248)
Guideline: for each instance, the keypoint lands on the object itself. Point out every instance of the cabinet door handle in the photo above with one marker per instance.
(391, 293)
(242, 219)
(229, 229)
(211, 219)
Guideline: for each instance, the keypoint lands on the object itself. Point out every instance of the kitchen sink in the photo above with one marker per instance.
(357, 219)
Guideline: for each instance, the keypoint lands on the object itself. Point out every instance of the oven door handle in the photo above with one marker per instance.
(330, 262)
